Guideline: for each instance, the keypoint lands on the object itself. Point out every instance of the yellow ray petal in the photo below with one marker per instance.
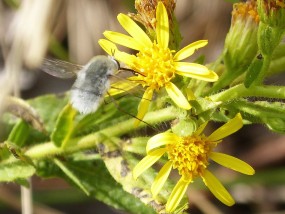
(196, 71)
(162, 26)
(217, 188)
(189, 50)
(176, 195)
(191, 68)
(177, 96)
(147, 162)
(227, 129)
(134, 30)
(108, 46)
(161, 140)
(144, 104)
(125, 58)
(112, 50)
(123, 39)
(232, 163)
(161, 178)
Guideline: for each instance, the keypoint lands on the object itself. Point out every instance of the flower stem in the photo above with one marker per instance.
(257, 91)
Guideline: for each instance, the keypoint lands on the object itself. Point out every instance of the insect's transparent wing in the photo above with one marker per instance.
(59, 68)
(120, 83)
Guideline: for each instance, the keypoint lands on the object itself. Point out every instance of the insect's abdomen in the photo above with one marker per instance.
(92, 84)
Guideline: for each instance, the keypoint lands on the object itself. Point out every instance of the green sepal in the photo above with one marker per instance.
(268, 38)
(64, 126)
(253, 71)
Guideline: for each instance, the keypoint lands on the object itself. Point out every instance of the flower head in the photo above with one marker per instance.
(146, 14)
(155, 64)
(241, 41)
(190, 156)
(272, 12)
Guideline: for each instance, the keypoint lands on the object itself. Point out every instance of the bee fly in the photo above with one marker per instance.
(92, 82)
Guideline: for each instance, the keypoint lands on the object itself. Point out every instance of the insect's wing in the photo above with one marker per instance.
(59, 68)
(121, 82)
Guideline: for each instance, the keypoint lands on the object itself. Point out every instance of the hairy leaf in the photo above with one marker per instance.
(64, 126)
(15, 171)
(94, 176)
(271, 114)
(19, 133)
(48, 108)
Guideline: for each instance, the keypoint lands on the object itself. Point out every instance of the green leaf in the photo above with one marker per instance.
(253, 71)
(94, 176)
(71, 175)
(64, 126)
(15, 171)
(19, 133)
(23, 182)
(103, 187)
(20, 108)
(272, 114)
(48, 107)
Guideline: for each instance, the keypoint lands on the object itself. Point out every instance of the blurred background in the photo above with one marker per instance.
(69, 30)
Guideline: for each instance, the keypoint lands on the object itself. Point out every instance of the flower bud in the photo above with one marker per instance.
(241, 41)
(240, 44)
(272, 12)
(146, 15)
(272, 16)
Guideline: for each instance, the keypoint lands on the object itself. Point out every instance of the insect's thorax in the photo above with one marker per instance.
(92, 84)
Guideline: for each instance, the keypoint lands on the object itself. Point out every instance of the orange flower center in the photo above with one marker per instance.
(155, 65)
(245, 10)
(190, 156)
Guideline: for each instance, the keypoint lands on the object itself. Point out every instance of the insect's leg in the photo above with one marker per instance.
(120, 109)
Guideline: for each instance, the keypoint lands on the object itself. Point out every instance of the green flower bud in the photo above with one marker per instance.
(268, 38)
(272, 17)
(240, 44)
(241, 41)
(272, 12)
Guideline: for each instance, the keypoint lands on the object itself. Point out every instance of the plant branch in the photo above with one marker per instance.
(256, 91)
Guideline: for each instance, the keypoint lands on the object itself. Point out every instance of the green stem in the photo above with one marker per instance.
(49, 149)
(256, 91)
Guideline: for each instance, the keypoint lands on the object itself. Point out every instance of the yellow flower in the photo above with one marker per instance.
(190, 156)
(155, 64)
